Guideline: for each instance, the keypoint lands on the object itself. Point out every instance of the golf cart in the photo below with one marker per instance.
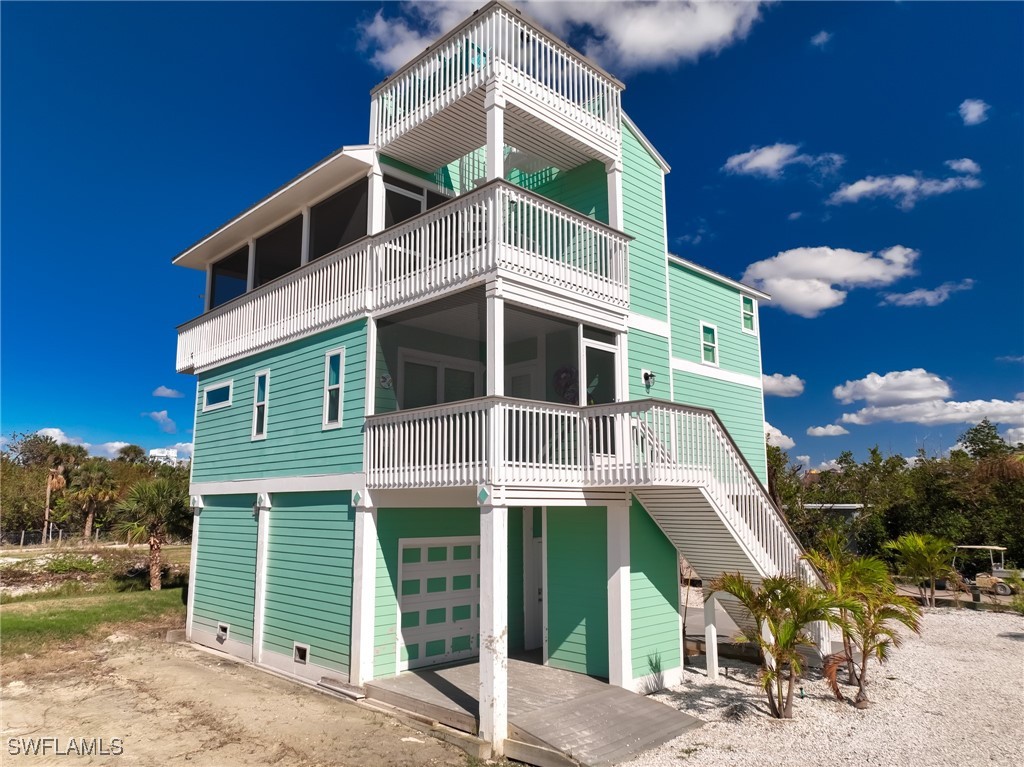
(992, 581)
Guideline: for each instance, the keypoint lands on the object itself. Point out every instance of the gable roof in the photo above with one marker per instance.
(743, 288)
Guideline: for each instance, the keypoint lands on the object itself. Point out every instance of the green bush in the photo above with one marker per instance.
(71, 563)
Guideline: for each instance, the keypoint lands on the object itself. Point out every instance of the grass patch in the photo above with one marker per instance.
(71, 563)
(34, 625)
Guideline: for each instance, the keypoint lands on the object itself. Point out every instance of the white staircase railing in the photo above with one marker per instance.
(506, 441)
(497, 227)
(497, 41)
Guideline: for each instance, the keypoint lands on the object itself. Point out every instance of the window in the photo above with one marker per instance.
(748, 315)
(261, 390)
(216, 396)
(334, 365)
(338, 220)
(230, 277)
(708, 344)
(401, 201)
(278, 252)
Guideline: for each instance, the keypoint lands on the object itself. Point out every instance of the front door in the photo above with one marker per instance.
(533, 579)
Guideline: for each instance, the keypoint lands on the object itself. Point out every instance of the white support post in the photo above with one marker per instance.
(371, 365)
(494, 626)
(197, 508)
(208, 295)
(374, 112)
(375, 200)
(495, 343)
(250, 279)
(711, 636)
(494, 104)
(262, 510)
(620, 645)
(614, 171)
(304, 249)
(364, 574)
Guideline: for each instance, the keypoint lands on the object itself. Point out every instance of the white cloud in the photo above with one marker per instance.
(637, 36)
(896, 388)
(184, 449)
(772, 160)
(1011, 358)
(807, 281)
(165, 422)
(794, 215)
(832, 430)
(1014, 435)
(108, 449)
(973, 111)
(964, 165)
(166, 391)
(902, 189)
(777, 438)
(923, 297)
(832, 465)
(778, 385)
(803, 459)
(821, 39)
(104, 449)
(939, 413)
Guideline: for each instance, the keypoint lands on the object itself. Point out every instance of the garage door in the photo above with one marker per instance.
(438, 600)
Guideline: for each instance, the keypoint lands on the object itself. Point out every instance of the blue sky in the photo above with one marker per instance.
(864, 163)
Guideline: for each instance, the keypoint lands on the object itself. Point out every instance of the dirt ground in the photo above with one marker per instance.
(171, 704)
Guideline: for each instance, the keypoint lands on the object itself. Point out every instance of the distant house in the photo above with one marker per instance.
(166, 455)
(456, 400)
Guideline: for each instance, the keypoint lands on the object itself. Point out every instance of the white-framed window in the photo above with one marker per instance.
(334, 378)
(748, 315)
(216, 396)
(708, 344)
(260, 397)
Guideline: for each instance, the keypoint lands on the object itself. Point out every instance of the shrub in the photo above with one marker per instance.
(71, 563)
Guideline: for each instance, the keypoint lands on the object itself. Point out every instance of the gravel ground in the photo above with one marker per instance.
(953, 696)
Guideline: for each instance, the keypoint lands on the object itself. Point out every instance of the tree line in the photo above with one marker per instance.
(972, 496)
(44, 483)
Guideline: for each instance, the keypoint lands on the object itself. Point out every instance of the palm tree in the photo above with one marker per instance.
(923, 557)
(782, 608)
(93, 487)
(59, 460)
(131, 454)
(875, 626)
(154, 508)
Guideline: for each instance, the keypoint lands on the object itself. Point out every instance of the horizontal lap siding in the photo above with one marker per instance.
(739, 407)
(577, 589)
(584, 188)
(226, 566)
(392, 525)
(309, 576)
(296, 443)
(654, 595)
(647, 351)
(643, 211)
(696, 299)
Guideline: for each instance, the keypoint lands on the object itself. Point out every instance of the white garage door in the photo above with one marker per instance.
(438, 600)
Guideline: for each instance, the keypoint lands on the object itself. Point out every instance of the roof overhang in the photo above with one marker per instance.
(753, 292)
(343, 167)
(646, 143)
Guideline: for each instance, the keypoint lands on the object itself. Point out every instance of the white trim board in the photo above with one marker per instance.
(648, 325)
(710, 371)
(319, 482)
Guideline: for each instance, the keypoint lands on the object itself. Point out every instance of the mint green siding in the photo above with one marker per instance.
(643, 212)
(697, 298)
(739, 407)
(654, 595)
(308, 595)
(647, 351)
(226, 566)
(577, 589)
(584, 188)
(296, 443)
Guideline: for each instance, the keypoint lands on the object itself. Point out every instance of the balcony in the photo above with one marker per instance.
(500, 441)
(560, 105)
(499, 229)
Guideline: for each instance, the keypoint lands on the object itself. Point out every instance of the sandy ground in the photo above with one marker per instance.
(171, 704)
(952, 696)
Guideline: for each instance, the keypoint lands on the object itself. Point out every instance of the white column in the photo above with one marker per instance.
(250, 280)
(371, 365)
(262, 510)
(364, 573)
(711, 636)
(620, 645)
(304, 249)
(375, 200)
(197, 509)
(495, 343)
(614, 171)
(208, 296)
(374, 112)
(494, 626)
(494, 103)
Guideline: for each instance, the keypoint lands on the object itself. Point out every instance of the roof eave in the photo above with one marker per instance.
(754, 292)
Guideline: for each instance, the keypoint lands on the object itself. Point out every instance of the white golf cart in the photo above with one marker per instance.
(993, 581)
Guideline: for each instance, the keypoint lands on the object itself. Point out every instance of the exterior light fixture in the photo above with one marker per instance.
(649, 379)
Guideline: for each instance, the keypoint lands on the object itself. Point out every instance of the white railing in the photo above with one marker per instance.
(496, 41)
(505, 441)
(497, 227)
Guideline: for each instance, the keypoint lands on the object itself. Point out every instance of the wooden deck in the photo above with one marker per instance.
(581, 717)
